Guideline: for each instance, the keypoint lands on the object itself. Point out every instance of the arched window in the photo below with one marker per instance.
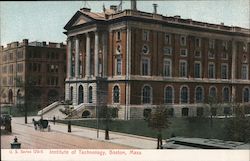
(71, 94)
(80, 94)
(116, 94)
(246, 95)
(146, 95)
(226, 95)
(168, 95)
(90, 94)
(212, 92)
(199, 95)
(184, 95)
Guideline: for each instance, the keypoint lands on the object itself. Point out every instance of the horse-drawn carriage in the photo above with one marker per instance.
(41, 124)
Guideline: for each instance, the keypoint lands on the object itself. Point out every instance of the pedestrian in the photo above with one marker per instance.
(54, 120)
(49, 128)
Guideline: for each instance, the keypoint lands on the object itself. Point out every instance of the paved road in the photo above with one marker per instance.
(31, 138)
(80, 137)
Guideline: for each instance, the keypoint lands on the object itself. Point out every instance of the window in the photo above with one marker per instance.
(199, 95)
(10, 56)
(212, 92)
(226, 96)
(116, 94)
(211, 43)
(167, 68)
(246, 95)
(211, 70)
(145, 66)
(145, 49)
(197, 42)
(147, 113)
(90, 95)
(184, 94)
(225, 45)
(80, 94)
(197, 69)
(11, 68)
(118, 49)
(244, 47)
(244, 72)
(183, 68)
(19, 67)
(197, 53)
(146, 95)
(118, 66)
(183, 52)
(118, 35)
(167, 39)
(145, 35)
(19, 54)
(183, 40)
(224, 55)
(224, 71)
(167, 51)
(211, 54)
(184, 111)
(168, 95)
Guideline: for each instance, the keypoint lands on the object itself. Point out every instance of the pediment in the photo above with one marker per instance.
(78, 19)
(81, 20)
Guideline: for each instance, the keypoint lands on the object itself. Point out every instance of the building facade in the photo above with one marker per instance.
(134, 61)
(32, 73)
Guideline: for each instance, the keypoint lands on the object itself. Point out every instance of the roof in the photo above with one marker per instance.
(110, 15)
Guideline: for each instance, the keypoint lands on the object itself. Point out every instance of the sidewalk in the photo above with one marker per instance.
(137, 142)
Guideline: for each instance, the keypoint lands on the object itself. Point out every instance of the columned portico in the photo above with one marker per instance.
(87, 54)
(76, 57)
(69, 58)
(96, 54)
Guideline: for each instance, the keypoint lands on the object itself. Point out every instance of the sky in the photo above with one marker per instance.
(44, 20)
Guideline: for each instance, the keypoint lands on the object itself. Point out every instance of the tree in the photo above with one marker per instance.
(238, 127)
(158, 121)
(108, 114)
(213, 107)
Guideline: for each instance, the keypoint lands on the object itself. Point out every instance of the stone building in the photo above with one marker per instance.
(133, 61)
(32, 72)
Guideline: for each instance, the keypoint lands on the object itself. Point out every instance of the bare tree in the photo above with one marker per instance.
(158, 121)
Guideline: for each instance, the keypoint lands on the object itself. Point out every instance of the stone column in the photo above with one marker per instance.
(233, 69)
(104, 53)
(87, 55)
(69, 58)
(96, 54)
(77, 57)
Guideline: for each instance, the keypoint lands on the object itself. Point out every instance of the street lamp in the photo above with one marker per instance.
(97, 111)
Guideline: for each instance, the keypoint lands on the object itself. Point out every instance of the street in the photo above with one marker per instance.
(36, 139)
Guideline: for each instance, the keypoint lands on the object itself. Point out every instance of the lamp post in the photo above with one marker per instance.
(97, 111)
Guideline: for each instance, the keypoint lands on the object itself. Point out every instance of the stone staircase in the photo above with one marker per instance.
(53, 110)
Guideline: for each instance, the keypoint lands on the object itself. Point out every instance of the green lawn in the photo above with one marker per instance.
(15, 112)
(186, 127)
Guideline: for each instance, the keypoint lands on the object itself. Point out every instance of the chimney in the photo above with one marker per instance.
(133, 5)
(84, 9)
(155, 8)
(25, 41)
(113, 7)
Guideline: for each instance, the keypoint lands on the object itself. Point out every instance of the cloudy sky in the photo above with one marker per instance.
(44, 21)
